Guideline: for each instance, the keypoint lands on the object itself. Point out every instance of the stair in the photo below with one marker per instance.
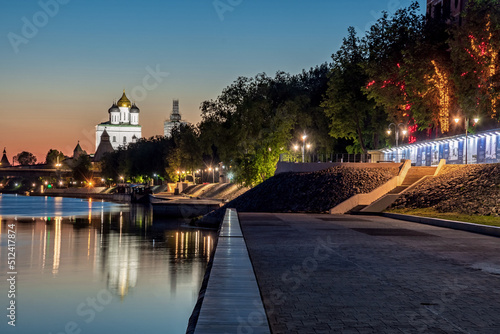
(357, 208)
(414, 174)
(397, 190)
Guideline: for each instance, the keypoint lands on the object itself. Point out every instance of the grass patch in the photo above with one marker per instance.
(431, 213)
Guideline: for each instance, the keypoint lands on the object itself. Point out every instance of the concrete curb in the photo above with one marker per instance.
(456, 225)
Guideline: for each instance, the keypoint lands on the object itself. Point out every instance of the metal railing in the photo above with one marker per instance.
(322, 157)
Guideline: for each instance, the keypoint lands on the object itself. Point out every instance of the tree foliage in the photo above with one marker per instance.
(387, 42)
(255, 120)
(139, 161)
(352, 114)
(25, 158)
(53, 157)
(475, 47)
(81, 168)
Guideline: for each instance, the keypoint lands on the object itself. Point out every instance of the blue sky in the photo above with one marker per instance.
(64, 76)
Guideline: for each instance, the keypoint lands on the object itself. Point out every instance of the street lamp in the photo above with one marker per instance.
(396, 130)
(304, 136)
(457, 119)
(210, 169)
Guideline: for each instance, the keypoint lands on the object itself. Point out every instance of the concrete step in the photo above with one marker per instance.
(416, 173)
(398, 190)
(382, 203)
(357, 208)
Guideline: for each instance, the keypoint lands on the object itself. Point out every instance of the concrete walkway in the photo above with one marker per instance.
(365, 274)
(232, 302)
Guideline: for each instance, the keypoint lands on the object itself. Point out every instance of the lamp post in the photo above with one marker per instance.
(396, 130)
(457, 119)
(210, 169)
(304, 136)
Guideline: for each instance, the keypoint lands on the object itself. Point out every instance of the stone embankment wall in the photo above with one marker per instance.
(468, 189)
(310, 192)
(222, 191)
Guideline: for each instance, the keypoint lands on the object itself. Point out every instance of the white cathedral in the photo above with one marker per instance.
(123, 126)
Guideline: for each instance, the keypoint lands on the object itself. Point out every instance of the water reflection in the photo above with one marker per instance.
(125, 252)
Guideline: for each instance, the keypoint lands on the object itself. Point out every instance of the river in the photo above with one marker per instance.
(96, 267)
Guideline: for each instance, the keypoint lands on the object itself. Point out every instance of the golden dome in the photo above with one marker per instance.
(124, 101)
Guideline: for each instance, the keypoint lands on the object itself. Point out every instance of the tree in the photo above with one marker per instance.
(81, 169)
(352, 115)
(186, 153)
(25, 158)
(255, 119)
(387, 42)
(475, 50)
(53, 157)
(429, 86)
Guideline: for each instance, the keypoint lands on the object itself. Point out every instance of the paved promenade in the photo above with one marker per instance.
(363, 274)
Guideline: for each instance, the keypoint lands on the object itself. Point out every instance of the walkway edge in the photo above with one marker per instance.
(456, 225)
(232, 302)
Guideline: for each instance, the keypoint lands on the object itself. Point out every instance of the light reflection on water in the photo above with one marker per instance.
(151, 269)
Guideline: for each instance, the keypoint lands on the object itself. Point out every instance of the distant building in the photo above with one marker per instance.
(78, 151)
(438, 9)
(123, 126)
(175, 120)
(5, 161)
(104, 147)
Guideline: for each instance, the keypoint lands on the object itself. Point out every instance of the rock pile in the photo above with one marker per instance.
(309, 192)
(468, 189)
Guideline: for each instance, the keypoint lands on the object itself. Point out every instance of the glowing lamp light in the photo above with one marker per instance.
(389, 132)
(295, 147)
(405, 132)
(308, 146)
(304, 137)
(457, 120)
(476, 119)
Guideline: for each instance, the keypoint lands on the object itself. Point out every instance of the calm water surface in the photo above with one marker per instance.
(97, 267)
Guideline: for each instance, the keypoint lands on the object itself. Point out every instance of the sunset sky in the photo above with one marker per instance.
(59, 79)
